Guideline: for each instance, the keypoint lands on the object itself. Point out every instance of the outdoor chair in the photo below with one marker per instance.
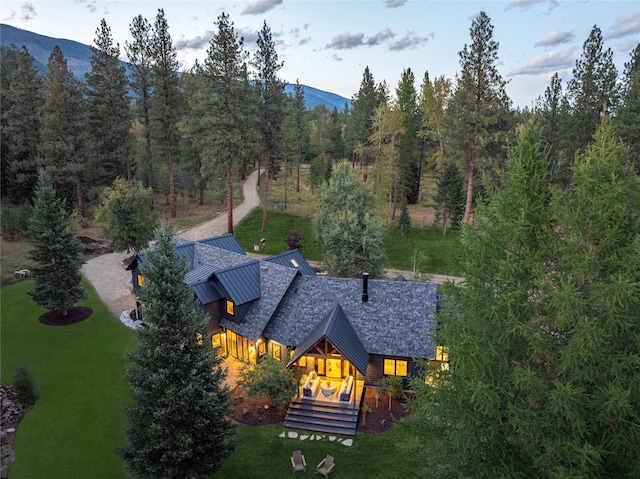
(297, 462)
(326, 466)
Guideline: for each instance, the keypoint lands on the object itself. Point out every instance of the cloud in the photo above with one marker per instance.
(549, 62)
(337, 58)
(346, 41)
(28, 12)
(91, 5)
(261, 6)
(623, 26)
(195, 43)
(380, 37)
(250, 36)
(394, 3)
(555, 38)
(523, 4)
(409, 40)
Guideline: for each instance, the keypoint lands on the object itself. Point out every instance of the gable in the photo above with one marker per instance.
(242, 282)
(226, 242)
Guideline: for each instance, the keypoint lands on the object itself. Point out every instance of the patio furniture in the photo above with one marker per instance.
(297, 462)
(326, 466)
(345, 389)
(328, 388)
(310, 386)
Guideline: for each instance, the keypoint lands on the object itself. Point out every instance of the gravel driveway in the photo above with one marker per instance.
(107, 272)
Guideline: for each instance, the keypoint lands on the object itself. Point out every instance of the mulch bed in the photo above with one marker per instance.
(74, 315)
(251, 411)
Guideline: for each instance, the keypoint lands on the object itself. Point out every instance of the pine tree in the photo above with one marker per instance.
(139, 53)
(56, 252)
(591, 92)
(165, 104)
(360, 127)
(627, 119)
(408, 144)
(351, 237)
(228, 107)
(297, 113)
(475, 115)
(178, 426)
(108, 117)
(22, 100)
(449, 197)
(64, 149)
(272, 106)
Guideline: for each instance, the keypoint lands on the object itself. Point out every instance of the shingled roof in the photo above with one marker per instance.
(293, 259)
(397, 320)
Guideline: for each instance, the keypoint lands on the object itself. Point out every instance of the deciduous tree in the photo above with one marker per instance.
(55, 252)
(128, 221)
(178, 427)
(271, 378)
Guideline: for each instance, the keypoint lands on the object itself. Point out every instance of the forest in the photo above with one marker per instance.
(203, 129)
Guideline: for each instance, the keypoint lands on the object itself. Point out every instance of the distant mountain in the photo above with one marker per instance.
(78, 57)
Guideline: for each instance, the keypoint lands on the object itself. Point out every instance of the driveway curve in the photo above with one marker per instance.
(112, 281)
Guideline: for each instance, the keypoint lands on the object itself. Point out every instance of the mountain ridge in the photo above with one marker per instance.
(78, 56)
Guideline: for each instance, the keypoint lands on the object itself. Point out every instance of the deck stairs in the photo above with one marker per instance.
(321, 416)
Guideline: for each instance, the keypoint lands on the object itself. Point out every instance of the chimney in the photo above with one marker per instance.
(365, 287)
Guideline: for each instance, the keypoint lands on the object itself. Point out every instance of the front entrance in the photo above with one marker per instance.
(239, 347)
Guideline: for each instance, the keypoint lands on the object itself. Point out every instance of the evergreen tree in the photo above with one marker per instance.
(140, 57)
(449, 197)
(108, 119)
(128, 221)
(165, 103)
(55, 251)
(433, 105)
(543, 337)
(227, 118)
(297, 113)
(591, 92)
(272, 106)
(178, 426)
(627, 119)
(351, 237)
(408, 144)
(475, 114)
(364, 104)
(24, 387)
(64, 151)
(22, 100)
(404, 220)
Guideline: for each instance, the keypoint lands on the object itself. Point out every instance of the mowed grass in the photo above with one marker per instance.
(263, 453)
(79, 419)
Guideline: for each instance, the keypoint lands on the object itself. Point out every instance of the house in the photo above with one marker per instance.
(342, 331)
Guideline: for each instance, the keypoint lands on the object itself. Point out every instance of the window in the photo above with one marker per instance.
(442, 353)
(261, 348)
(302, 362)
(395, 367)
(230, 307)
(277, 352)
(140, 280)
(199, 338)
(294, 263)
(215, 340)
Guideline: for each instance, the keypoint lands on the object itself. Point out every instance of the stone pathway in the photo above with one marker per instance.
(316, 437)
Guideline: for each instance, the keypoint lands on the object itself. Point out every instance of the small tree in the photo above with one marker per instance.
(271, 378)
(178, 428)
(392, 386)
(404, 221)
(449, 197)
(56, 251)
(129, 222)
(294, 241)
(24, 388)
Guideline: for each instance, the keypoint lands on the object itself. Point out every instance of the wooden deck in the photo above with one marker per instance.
(325, 413)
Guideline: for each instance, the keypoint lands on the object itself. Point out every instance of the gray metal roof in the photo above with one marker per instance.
(338, 330)
(227, 242)
(274, 284)
(397, 320)
(241, 282)
(200, 273)
(206, 292)
(293, 259)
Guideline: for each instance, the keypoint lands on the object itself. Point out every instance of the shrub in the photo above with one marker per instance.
(23, 387)
(271, 378)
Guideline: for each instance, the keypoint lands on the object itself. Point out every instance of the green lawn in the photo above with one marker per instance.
(78, 370)
(262, 453)
(439, 253)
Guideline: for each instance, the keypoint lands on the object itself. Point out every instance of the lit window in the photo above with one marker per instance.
(140, 280)
(276, 351)
(199, 338)
(302, 362)
(261, 348)
(393, 367)
(442, 353)
(294, 263)
(230, 307)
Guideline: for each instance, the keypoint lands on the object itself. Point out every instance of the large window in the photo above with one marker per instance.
(395, 367)
(277, 352)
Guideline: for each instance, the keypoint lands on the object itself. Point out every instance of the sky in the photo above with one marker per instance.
(327, 44)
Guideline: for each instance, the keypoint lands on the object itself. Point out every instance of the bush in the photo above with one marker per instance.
(23, 387)
(271, 378)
